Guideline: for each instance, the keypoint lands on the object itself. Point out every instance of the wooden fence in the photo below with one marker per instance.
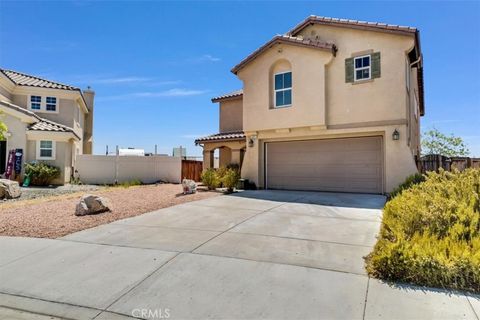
(192, 169)
(433, 162)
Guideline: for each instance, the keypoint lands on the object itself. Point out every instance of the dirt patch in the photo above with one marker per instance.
(53, 217)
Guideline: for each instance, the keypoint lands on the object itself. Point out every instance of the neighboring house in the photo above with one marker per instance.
(48, 121)
(333, 105)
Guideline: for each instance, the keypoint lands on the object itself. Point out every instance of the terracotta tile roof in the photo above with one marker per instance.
(19, 109)
(224, 136)
(374, 26)
(234, 94)
(299, 41)
(40, 124)
(23, 79)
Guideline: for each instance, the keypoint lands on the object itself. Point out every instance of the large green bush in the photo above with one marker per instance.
(41, 173)
(408, 183)
(210, 178)
(230, 179)
(430, 233)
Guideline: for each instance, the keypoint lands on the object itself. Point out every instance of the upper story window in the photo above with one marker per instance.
(283, 89)
(43, 104)
(51, 104)
(362, 68)
(35, 102)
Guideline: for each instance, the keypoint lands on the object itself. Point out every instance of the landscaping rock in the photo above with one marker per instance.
(91, 204)
(189, 186)
(9, 189)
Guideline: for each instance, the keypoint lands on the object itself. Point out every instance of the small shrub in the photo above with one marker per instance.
(210, 178)
(41, 173)
(131, 183)
(430, 233)
(230, 179)
(407, 184)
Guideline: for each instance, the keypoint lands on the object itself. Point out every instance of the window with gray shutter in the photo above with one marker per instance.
(376, 65)
(349, 70)
(362, 67)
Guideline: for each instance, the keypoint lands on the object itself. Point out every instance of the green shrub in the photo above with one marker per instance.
(409, 182)
(41, 173)
(210, 178)
(230, 179)
(130, 183)
(430, 233)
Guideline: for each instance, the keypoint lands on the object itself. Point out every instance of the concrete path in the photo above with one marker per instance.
(253, 255)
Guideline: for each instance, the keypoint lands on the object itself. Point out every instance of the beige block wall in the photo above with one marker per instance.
(231, 115)
(398, 159)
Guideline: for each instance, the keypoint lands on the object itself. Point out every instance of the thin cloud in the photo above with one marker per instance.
(120, 80)
(176, 92)
(209, 57)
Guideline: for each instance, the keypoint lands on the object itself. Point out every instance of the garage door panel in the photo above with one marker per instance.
(348, 165)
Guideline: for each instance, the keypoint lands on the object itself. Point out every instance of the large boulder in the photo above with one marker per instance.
(91, 204)
(9, 189)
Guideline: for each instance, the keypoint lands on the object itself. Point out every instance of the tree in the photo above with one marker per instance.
(3, 129)
(435, 142)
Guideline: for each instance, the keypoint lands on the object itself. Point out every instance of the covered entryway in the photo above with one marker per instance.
(342, 165)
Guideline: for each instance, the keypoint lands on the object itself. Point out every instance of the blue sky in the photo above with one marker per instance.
(155, 65)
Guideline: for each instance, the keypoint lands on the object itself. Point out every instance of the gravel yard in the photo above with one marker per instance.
(53, 217)
(40, 192)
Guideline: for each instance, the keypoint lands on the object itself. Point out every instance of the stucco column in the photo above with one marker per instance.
(207, 159)
(236, 156)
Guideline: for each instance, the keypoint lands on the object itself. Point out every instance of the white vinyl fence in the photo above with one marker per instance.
(94, 169)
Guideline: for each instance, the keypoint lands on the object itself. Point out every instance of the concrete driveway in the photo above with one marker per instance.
(253, 255)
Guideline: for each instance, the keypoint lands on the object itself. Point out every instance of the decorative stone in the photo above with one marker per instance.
(189, 186)
(9, 189)
(91, 204)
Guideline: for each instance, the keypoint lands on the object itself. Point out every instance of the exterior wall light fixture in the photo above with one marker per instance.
(251, 141)
(396, 135)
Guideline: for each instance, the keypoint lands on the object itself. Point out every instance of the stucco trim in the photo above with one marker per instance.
(51, 135)
(289, 40)
(356, 125)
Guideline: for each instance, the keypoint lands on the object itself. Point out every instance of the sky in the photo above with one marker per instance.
(155, 65)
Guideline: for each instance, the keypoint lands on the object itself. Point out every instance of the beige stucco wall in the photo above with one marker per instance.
(5, 94)
(63, 158)
(398, 159)
(308, 88)
(16, 137)
(325, 106)
(231, 115)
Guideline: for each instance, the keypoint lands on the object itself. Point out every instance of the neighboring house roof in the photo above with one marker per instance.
(48, 125)
(225, 136)
(288, 39)
(227, 96)
(39, 124)
(23, 79)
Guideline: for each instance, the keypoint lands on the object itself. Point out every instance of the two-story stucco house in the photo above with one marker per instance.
(46, 120)
(333, 105)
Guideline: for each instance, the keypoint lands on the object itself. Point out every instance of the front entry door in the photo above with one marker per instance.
(3, 156)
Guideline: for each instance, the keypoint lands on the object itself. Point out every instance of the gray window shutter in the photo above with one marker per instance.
(376, 65)
(349, 70)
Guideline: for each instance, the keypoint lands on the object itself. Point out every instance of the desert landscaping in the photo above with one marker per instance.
(54, 216)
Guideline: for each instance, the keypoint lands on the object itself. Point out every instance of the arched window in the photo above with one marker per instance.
(281, 88)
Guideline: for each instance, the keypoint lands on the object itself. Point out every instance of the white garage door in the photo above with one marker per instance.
(343, 165)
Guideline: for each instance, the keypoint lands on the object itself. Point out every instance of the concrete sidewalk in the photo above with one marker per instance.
(262, 254)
